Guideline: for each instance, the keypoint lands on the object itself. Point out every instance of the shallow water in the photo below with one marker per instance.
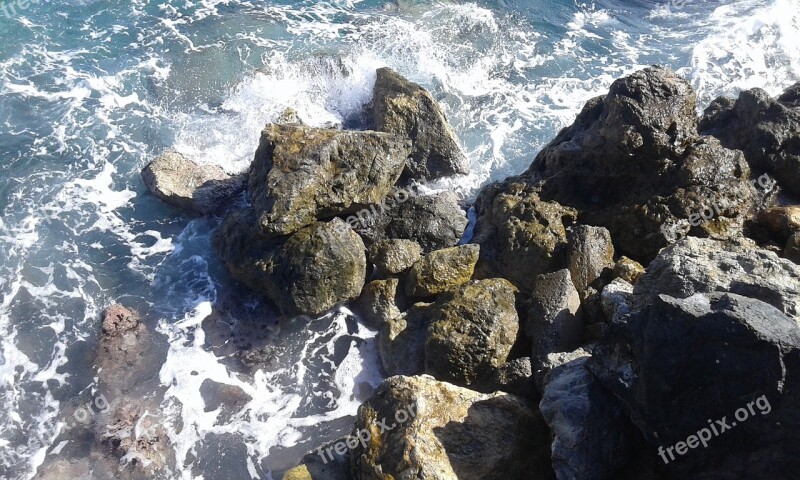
(90, 90)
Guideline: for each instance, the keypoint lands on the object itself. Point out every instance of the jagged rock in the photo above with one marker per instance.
(406, 109)
(616, 299)
(792, 250)
(767, 130)
(628, 270)
(520, 235)
(433, 221)
(180, 182)
(401, 342)
(228, 399)
(126, 353)
(378, 302)
(696, 265)
(308, 272)
(590, 434)
(472, 332)
(681, 364)
(451, 433)
(289, 117)
(589, 253)
(633, 162)
(554, 322)
(543, 367)
(442, 270)
(302, 174)
(394, 256)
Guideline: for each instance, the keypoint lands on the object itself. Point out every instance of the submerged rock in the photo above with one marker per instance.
(442, 270)
(303, 174)
(472, 332)
(767, 130)
(180, 182)
(307, 272)
(406, 109)
(440, 431)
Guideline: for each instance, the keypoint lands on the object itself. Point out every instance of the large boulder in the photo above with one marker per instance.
(433, 221)
(589, 253)
(520, 235)
(634, 163)
(416, 427)
(696, 265)
(406, 109)
(472, 331)
(307, 272)
(590, 431)
(181, 182)
(442, 270)
(767, 130)
(302, 174)
(712, 381)
(394, 256)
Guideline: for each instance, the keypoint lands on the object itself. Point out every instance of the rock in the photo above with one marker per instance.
(289, 117)
(551, 361)
(616, 299)
(589, 253)
(514, 376)
(126, 353)
(554, 321)
(308, 272)
(451, 433)
(325, 463)
(681, 363)
(406, 109)
(302, 174)
(401, 341)
(633, 163)
(696, 265)
(782, 222)
(394, 256)
(472, 332)
(590, 438)
(180, 182)
(767, 130)
(433, 221)
(520, 235)
(442, 270)
(378, 302)
(792, 250)
(228, 399)
(628, 270)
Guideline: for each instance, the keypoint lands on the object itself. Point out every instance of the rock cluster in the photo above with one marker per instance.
(635, 285)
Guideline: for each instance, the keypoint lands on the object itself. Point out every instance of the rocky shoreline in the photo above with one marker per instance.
(639, 282)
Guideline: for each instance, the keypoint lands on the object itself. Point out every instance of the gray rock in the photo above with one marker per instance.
(401, 341)
(325, 463)
(589, 253)
(616, 299)
(394, 256)
(514, 376)
(442, 270)
(696, 265)
(472, 332)
(180, 182)
(554, 322)
(433, 221)
(308, 272)
(451, 432)
(680, 363)
(767, 130)
(590, 441)
(406, 109)
(302, 174)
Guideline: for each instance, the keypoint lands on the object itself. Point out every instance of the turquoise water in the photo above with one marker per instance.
(90, 90)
